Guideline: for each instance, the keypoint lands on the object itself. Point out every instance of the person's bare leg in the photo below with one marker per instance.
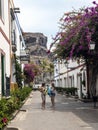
(44, 104)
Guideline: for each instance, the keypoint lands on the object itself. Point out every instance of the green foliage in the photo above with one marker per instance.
(21, 94)
(70, 90)
(47, 67)
(4, 115)
(18, 73)
(8, 106)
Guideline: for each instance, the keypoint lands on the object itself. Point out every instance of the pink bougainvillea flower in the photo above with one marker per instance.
(94, 2)
(48, 51)
(4, 120)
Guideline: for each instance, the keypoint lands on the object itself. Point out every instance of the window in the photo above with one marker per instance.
(65, 82)
(1, 9)
(13, 37)
(2, 73)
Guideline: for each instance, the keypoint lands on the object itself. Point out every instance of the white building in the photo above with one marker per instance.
(4, 45)
(17, 41)
(71, 74)
(11, 42)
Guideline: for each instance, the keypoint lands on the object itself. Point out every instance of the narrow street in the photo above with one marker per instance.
(69, 114)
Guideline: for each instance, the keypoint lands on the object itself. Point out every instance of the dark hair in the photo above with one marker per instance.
(52, 85)
(43, 84)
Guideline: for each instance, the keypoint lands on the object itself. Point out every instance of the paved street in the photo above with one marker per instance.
(69, 114)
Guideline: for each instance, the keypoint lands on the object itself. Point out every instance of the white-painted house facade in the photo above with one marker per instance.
(4, 45)
(11, 43)
(17, 41)
(71, 74)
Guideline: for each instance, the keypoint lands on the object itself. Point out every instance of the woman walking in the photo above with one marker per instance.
(52, 95)
(43, 95)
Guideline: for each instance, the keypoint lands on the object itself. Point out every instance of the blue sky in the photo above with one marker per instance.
(43, 15)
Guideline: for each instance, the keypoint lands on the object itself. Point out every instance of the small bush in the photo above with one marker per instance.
(8, 106)
(69, 90)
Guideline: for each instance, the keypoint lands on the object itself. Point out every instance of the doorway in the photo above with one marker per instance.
(2, 73)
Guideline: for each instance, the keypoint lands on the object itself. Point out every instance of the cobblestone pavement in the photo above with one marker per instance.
(69, 114)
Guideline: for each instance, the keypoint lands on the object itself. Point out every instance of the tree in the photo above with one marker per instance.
(50, 69)
(18, 73)
(30, 71)
(78, 30)
(46, 67)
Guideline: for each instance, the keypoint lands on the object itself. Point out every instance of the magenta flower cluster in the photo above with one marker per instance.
(78, 30)
(29, 72)
(5, 121)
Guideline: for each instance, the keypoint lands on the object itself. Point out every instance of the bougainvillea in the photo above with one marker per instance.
(78, 30)
(5, 121)
(30, 71)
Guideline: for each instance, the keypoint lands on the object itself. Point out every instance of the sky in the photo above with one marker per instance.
(43, 15)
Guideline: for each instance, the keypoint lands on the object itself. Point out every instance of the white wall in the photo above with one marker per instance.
(4, 23)
(5, 43)
(70, 74)
(5, 47)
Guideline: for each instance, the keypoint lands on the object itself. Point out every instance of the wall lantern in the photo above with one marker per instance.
(16, 10)
(66, 64)
(92, 45)
(27, 50)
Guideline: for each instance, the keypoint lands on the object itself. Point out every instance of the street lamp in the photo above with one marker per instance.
(66, 64)
(27, 50)
(27, 53)
(92, 45)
